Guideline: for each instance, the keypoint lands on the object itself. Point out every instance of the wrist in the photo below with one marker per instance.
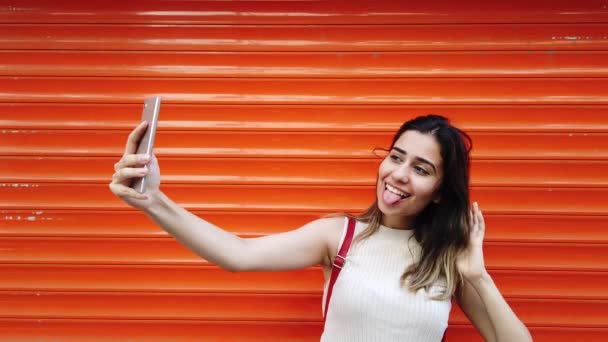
(479, 278)
(156, 201)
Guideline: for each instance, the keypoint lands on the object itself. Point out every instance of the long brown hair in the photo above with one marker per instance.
(442, 228)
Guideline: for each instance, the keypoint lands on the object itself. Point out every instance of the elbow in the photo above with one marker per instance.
(239, 259)
(234, 267)
(516, 333)
(225, 264)
(231, 266)
(232, 259)
(520, 335)
(526, 336)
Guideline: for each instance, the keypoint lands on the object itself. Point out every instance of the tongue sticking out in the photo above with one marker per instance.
(390, 198)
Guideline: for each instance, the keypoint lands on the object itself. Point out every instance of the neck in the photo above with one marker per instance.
(396, 222)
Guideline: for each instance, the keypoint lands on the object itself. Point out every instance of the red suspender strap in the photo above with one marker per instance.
(339, 262)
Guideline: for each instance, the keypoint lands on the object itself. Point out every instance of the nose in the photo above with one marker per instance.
(402, 173)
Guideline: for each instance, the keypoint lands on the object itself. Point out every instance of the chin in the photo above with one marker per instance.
(386, 210)
(382, 208)
(402, 211)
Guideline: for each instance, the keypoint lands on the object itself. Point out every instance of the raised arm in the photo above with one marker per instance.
(480, 299)
(300, 248)
(296, 249)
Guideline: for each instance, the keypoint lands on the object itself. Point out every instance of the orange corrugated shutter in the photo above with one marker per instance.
(271, 110)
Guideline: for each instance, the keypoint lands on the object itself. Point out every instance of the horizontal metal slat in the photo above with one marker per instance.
(202, 170)
(175, 278)
(220, 144)
(247, 198)
(248, 307)
(502, 64)
(73, 223)
(539, 334)
(445, 37)
(319, 118)
(326, 145)
(553, 173)
(493, 200)
(546, 256)
(549, 284)
(552, 313)
(135, 224)
(550, 173)
(549, 228)
(100, 330)
(103, 330)
(179, 278)
(303, 12)
(132, 251)
(582, 91)
(211, 307)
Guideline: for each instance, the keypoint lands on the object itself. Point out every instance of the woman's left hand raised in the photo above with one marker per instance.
(470, 262)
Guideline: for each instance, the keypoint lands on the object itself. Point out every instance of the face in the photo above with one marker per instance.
(408, 178)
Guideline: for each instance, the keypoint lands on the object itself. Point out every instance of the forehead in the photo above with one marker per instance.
(420, 145)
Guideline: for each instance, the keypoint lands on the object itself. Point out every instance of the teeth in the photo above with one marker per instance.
(395, 191)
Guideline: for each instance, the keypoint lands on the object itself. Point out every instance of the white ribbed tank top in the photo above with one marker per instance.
(369, 304)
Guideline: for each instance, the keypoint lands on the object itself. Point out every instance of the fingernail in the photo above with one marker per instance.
(145, 157)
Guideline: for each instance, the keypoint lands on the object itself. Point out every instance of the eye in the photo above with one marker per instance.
(421, 170)
(395, 158)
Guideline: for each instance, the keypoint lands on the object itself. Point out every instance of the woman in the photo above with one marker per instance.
(418, 245)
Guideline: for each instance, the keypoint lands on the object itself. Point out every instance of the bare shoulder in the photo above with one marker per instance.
(332, 228)
(331, 222)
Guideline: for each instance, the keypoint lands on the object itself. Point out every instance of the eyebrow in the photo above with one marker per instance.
(417, 158)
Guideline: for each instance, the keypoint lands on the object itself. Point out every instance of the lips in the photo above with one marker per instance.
(396, 191)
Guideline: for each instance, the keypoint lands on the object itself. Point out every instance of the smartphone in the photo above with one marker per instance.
(150, 114)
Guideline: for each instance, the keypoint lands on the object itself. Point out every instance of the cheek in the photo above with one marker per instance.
(427, 187)
(384, 169)
(382, 173)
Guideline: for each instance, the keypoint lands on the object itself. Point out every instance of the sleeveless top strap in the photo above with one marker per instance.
(339, 262)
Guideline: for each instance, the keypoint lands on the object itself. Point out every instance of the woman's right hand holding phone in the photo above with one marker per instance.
(132, 166)
(300, 248)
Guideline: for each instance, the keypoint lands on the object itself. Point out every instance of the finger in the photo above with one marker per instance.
(126, 192)
(480, 218)
(128, 173)
(471, 219)
(473, 216)
(135, 136)
(132, 160)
